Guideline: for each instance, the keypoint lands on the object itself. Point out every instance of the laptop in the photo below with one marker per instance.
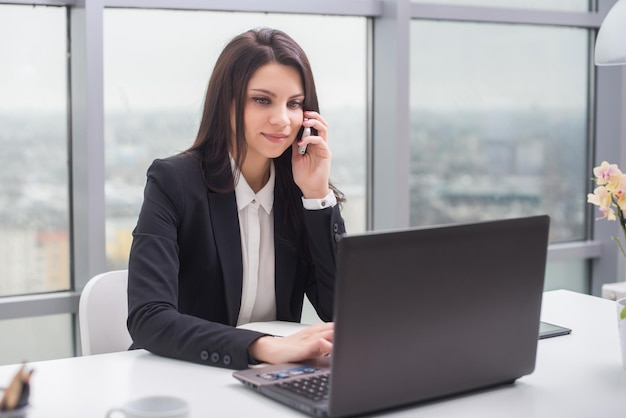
(422, 314)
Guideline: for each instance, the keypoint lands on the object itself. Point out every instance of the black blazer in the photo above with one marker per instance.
(185, 269)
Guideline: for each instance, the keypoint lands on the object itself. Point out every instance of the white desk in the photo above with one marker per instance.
(579, 375)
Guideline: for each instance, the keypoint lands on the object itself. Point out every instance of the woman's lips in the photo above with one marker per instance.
(276, 137)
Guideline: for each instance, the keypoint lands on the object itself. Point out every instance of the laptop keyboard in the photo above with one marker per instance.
(314, 387)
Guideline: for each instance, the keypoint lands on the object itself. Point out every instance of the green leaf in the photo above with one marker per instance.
(622, 314)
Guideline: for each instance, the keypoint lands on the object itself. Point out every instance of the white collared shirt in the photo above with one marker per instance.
(256, 225)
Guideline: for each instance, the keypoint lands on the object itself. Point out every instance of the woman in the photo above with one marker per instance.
(241, 226)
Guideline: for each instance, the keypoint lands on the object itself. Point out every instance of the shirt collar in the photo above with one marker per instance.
(245, 195)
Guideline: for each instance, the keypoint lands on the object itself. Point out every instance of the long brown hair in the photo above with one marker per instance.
(239, 60)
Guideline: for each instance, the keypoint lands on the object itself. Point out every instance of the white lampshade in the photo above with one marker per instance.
(611, 40)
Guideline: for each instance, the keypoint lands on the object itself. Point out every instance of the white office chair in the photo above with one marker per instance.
(102, 313)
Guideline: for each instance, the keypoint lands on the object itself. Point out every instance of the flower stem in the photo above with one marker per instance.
(622, 224)
(619, 244)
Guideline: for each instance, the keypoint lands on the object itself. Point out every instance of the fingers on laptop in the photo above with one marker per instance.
(313, 341)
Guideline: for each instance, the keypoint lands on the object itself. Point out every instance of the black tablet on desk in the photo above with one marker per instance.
(547, 330)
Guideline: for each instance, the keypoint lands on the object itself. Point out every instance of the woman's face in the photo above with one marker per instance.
(273, 111)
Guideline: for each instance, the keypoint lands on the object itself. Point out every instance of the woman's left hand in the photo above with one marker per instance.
(311, 170)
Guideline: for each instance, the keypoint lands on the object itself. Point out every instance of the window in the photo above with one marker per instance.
(499, 124)
(34, 200)
(36, 338)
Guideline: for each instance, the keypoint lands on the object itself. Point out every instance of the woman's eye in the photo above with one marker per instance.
(261, 100)
(295, 104)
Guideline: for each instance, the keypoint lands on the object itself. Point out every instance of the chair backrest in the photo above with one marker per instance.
(102, 313)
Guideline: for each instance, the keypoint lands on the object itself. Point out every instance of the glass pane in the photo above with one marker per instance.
(498, 124)
(34, 187)
(155, 82)
(570, 275)
(561, 5)
(36, 338)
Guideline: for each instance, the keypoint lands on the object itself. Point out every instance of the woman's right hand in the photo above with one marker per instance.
(313, 341)
(311, 171)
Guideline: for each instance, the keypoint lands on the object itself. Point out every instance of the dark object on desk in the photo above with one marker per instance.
(547, 330)
(423, 314)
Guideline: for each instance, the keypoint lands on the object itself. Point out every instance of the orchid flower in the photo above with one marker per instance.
(607, 174)
(604, 199)
(610, 196)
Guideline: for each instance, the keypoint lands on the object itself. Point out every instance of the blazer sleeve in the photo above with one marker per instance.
(154, 321)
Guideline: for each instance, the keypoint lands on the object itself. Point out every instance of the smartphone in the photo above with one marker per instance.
(305, 132)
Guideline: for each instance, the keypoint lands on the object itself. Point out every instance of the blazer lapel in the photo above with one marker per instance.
(225, 221)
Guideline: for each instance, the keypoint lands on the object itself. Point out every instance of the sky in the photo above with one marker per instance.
(160, 59)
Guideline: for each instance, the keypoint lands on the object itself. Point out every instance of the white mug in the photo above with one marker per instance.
(152, 407)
